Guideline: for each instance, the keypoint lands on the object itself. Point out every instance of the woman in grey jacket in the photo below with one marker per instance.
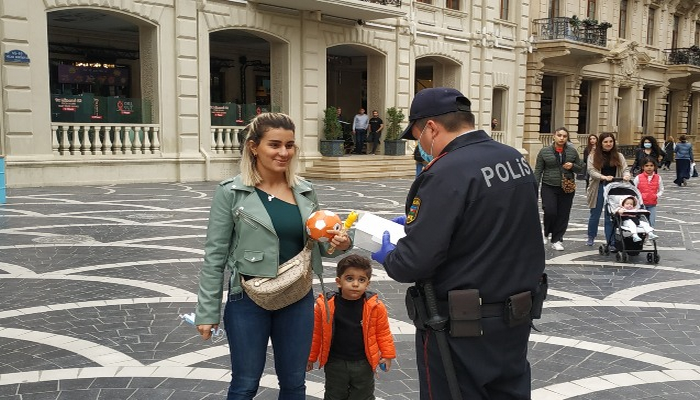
(684, 157)
(256, 223)
(552, 163)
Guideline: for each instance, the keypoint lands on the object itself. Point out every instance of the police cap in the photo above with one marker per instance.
(432, 102)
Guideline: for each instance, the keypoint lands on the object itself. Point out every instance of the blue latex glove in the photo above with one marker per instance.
(386, 248)
(401, 220)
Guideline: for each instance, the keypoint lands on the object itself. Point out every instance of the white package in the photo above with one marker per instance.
(370, 228)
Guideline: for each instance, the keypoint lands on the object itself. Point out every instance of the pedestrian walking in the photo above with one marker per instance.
(590, 147)
(684, 159)
(554, 164)
(648, 147)
(651, 186)
(472, 245)
(669, 147)
(604, 164)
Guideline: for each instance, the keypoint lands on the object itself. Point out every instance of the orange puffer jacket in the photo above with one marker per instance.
(378, 340)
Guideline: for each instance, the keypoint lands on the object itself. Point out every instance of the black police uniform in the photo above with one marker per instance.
(473, 223)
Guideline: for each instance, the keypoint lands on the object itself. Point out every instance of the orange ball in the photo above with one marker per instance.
(321, 221)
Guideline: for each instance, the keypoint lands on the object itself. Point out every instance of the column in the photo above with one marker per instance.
(533, 98)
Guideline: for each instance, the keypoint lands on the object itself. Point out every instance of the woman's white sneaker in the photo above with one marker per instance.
(558, 246)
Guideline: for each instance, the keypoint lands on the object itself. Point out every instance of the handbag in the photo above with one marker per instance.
(292, 283)
(568, 185)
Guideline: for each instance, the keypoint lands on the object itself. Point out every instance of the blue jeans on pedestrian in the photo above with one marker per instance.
(594, 218)
(652, 214)
(248, 328)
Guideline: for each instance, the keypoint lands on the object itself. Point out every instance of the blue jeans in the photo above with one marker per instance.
(248, 328)
(594, 218)
(652, 214)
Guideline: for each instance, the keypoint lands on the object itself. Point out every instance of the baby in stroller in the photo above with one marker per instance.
(632, 218)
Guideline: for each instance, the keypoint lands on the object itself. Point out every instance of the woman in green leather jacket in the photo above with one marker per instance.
(256, 223)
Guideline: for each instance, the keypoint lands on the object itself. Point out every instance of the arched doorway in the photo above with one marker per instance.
(103, 75)
(355, 79)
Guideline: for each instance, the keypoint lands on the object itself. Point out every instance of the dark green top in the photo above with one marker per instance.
(286, 219)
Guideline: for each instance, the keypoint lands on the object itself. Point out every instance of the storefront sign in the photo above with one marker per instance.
(219, 111)
(93, 75)
(125, 107)
(16, 56)
(68, 103)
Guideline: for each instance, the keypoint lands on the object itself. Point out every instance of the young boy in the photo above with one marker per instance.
(339, 345)
(631, 220)
(651, 186)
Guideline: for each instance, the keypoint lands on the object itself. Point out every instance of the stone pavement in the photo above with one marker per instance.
(92, 280)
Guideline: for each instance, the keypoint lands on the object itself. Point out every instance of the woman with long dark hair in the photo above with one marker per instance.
(604, 164)
(648, 147)
(590, 147)
(554, 162)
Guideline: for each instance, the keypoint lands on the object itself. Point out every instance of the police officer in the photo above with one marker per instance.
(472, 224)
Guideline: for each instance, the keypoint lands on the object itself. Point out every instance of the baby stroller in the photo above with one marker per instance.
(613, 195)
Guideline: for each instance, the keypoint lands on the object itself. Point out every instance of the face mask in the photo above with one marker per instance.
(427, 157)
(647, 145)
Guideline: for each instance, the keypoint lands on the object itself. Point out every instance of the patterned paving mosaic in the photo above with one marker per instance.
(92, 280)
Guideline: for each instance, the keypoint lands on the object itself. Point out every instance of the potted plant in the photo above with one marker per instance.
(605, 25)
(393, 146)
(332, 144)
(590, 22)
(574, 22)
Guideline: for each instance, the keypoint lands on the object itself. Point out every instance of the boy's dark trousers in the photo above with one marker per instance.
(348, 380)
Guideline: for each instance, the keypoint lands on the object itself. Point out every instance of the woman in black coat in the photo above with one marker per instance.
(648, 147)
(669, 146)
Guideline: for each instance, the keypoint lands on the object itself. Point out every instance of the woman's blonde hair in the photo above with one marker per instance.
(255, 131)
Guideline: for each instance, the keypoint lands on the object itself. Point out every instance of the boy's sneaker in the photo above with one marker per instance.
(590, 241)
(636, 238)
(545, 240)
(652, 235)
(557, 246)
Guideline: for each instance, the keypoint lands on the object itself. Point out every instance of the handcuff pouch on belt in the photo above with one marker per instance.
(465, 313)
(539, 297)
(517, 309)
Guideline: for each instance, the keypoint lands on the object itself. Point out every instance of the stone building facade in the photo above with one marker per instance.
(109, 91)
(631, 67)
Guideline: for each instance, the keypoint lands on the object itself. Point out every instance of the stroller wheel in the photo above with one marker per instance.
(657, 258)
(618, 257)
(601, 250)
(625, 257)
(650, 257)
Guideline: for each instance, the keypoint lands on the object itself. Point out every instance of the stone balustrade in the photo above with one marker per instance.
(83, 139)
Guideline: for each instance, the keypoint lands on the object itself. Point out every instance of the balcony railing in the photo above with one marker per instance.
(683, 56)
(561, 28)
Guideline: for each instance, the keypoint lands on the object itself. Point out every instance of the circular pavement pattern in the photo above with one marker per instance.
(93, 279)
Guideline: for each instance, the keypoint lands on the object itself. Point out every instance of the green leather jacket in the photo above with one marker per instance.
(242, 239)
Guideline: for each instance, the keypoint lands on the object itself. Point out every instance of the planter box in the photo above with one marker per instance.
(332, 148)
(395, 147)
